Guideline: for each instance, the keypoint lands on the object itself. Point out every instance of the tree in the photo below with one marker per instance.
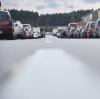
(58, 19)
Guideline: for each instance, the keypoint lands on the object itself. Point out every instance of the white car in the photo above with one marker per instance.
(36, 35)
(54, 31)
(58, 34)
(36, 32)
(28, 30)
(18, 30)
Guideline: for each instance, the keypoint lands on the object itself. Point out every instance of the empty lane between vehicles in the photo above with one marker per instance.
(61, 69)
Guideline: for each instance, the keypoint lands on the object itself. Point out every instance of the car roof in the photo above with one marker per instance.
(72, 23)
(4, 10)
(91, 22)
(98, 19)
(15, 23)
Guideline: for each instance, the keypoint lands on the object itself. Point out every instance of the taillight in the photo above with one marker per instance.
(10, 21)
(90, 30)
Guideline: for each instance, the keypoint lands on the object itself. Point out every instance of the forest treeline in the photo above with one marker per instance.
(58, 19)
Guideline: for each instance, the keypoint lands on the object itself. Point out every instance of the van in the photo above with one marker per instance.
(6, 24)
(97, 28)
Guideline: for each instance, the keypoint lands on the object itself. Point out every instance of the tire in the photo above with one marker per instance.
(10, 36)
(15, 37)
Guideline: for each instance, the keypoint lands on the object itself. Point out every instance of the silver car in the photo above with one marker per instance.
(97, 28)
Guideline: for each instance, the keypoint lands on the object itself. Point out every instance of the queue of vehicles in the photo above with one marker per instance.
(91, 30)
(16, 30)
(25, 31)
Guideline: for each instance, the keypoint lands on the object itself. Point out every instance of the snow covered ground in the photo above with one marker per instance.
(50, 68)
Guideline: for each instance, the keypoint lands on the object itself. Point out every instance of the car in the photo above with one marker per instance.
(36, 35)
(36, 32)
(28, 29)
(54, 31)
(19, 31)
(59, 34)
(97, 28)
(64, 34)
(90, 29)
(39, 32)
(83, 32)
(6, 24)
(43, 34)
(73, 33)
(76, 33)
(71, 30)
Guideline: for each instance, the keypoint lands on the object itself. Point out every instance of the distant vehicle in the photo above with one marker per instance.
(43, 34)
(64, 34)
(36, 35)
(97, 28)
(83, 32)
(6, 24)
(90, 29)
(59, 34)
(28, 29)
(19, 31)
(76, 33)
(36, 32)
(71, 29)
(73, 33)
(54, 31)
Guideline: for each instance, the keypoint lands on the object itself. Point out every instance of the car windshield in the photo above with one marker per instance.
(26, 26)
(73, 25)
(15, 25)
(4, 16)
(92, 25)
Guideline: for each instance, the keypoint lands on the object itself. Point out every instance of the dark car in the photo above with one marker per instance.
(83, 32)
(6, 25)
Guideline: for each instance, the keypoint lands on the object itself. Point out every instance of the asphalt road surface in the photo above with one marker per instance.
(50, 68)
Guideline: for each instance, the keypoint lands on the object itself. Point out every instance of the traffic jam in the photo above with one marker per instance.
(16, 30)
(76, 30)
(49, 49)
(87, 28)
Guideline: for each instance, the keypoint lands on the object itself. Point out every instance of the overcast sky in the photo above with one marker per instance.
(50, 6)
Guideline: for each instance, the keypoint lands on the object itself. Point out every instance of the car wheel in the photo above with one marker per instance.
(10, 36)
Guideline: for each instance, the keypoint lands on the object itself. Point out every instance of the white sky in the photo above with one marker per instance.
(50, 6)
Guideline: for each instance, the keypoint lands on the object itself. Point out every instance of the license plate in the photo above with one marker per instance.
(0, 32)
